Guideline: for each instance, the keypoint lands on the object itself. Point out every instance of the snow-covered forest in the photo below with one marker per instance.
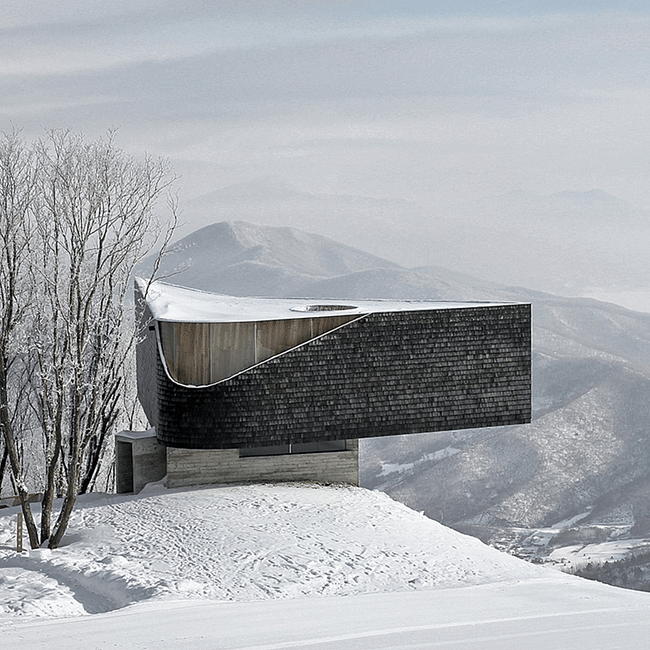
(76, 216)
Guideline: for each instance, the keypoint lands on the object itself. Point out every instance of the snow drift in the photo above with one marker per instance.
(291, 566)
(239, 543)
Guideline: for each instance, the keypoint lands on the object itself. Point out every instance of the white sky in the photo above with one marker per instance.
(383, 99)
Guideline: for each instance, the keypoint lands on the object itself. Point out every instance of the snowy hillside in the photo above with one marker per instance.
(239, 543)
(289, 566)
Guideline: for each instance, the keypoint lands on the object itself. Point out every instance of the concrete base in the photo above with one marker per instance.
(206, 466)
(139, 459)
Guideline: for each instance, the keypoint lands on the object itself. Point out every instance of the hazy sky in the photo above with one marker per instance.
(383, 99)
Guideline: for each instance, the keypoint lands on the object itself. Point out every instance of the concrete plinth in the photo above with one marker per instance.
(139, 459)
(207, 466)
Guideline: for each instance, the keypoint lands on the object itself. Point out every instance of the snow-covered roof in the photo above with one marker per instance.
(171, 303)
(136, 435)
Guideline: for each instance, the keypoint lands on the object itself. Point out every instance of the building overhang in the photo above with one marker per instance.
(230, 372)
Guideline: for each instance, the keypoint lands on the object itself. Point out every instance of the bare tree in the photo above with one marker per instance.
(16, 196)
(93, 214)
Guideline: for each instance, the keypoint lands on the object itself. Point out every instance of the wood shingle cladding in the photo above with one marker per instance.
(374, 374)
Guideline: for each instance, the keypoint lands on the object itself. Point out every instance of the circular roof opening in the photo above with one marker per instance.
(323, 307)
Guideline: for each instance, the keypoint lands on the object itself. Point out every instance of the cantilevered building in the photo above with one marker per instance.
(241, 389)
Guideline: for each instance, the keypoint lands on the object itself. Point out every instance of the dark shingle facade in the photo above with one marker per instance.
(385, 373)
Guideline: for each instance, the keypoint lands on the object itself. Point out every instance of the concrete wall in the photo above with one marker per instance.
(146, 456)
(385, 374)
(146, 355)
(199, 467)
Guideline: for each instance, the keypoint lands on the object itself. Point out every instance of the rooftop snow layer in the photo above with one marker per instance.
(171, 303)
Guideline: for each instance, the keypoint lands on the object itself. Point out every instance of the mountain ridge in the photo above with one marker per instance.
(569, 243)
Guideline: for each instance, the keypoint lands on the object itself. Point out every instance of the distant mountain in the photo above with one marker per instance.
(380, 226)
(587, 453)
(569, 243)
(236, 257)
(583, 207)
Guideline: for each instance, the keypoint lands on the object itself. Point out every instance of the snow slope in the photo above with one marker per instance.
(242, 543)
(291, 566)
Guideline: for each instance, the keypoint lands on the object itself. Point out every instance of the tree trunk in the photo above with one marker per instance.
(50, 487)
(14, 461)
(68, 505)
(3, 466)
